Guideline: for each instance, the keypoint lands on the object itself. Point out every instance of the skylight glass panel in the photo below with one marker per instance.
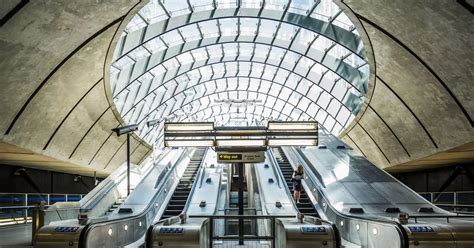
(268, 28)
(333, 107)
(279, 105)
(201, 5)
(136, 23)
(301, 6)
(275, 4)
(340, 89)
(190, 32)
(155, 45)
(286, 31)
(248, 26)
(176, 7)
(343, 21)
(208, 28)
(294, 98)
(325, 10)
(226, 3)
(324, 100)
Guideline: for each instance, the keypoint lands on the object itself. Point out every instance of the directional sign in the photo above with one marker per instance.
(240, 157)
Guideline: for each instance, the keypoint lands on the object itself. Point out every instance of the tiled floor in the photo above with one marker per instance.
(16, 236)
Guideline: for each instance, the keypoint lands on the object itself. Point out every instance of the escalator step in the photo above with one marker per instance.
(175, 207)
(172, 212)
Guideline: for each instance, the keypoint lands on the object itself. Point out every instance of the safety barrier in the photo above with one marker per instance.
(459, 202)
(16, 208)
(268, 233)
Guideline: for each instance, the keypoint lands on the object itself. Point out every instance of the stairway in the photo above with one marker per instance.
(181, 193)
(117, 204)
(305, 206)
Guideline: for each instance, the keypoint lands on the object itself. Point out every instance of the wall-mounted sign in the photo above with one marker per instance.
(240, 157)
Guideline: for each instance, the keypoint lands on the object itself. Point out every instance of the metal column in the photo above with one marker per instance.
(128, 164)
(241, 202)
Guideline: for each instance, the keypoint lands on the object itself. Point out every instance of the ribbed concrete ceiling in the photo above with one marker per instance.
(57, 101)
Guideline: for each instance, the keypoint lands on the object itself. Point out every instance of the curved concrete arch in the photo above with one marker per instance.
(433, 115)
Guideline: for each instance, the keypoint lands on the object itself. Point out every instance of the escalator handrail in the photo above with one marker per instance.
(85, 231)
(303, 160)
(280, 174)
(202, 169)
(275, 171)
(219, 191)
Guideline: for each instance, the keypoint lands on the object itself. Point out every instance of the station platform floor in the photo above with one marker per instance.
(15, 236)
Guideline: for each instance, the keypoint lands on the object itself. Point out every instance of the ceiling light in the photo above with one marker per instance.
(189, 126)
(297, 125)
(292, 142)
(241, 142)
(184, 143)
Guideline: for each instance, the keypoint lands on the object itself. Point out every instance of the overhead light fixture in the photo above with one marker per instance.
(292, 125)
(152, 122)
(189, 126)
(240, 143)
(185, 143)
(125, 129)
(292, 142)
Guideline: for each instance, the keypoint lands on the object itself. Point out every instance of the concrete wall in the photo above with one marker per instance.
(422, 101)
(54, 106)
(52, 58)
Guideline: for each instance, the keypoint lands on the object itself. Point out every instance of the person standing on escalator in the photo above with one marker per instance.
(297, 177)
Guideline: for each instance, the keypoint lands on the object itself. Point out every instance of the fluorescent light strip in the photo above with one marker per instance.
(183, 143)
(241, 143)
(292, 126)
(292, 142)
(189, 126)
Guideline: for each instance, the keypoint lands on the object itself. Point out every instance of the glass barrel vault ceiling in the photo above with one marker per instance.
(239, 62)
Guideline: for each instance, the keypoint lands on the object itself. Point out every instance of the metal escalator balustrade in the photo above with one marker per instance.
(182, 191)
(305, 206)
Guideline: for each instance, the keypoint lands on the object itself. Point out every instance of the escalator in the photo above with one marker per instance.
(305, 206)
(182, 191)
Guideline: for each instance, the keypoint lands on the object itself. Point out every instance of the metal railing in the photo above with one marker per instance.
(459, 202)
(233, 240)
(16, 208)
